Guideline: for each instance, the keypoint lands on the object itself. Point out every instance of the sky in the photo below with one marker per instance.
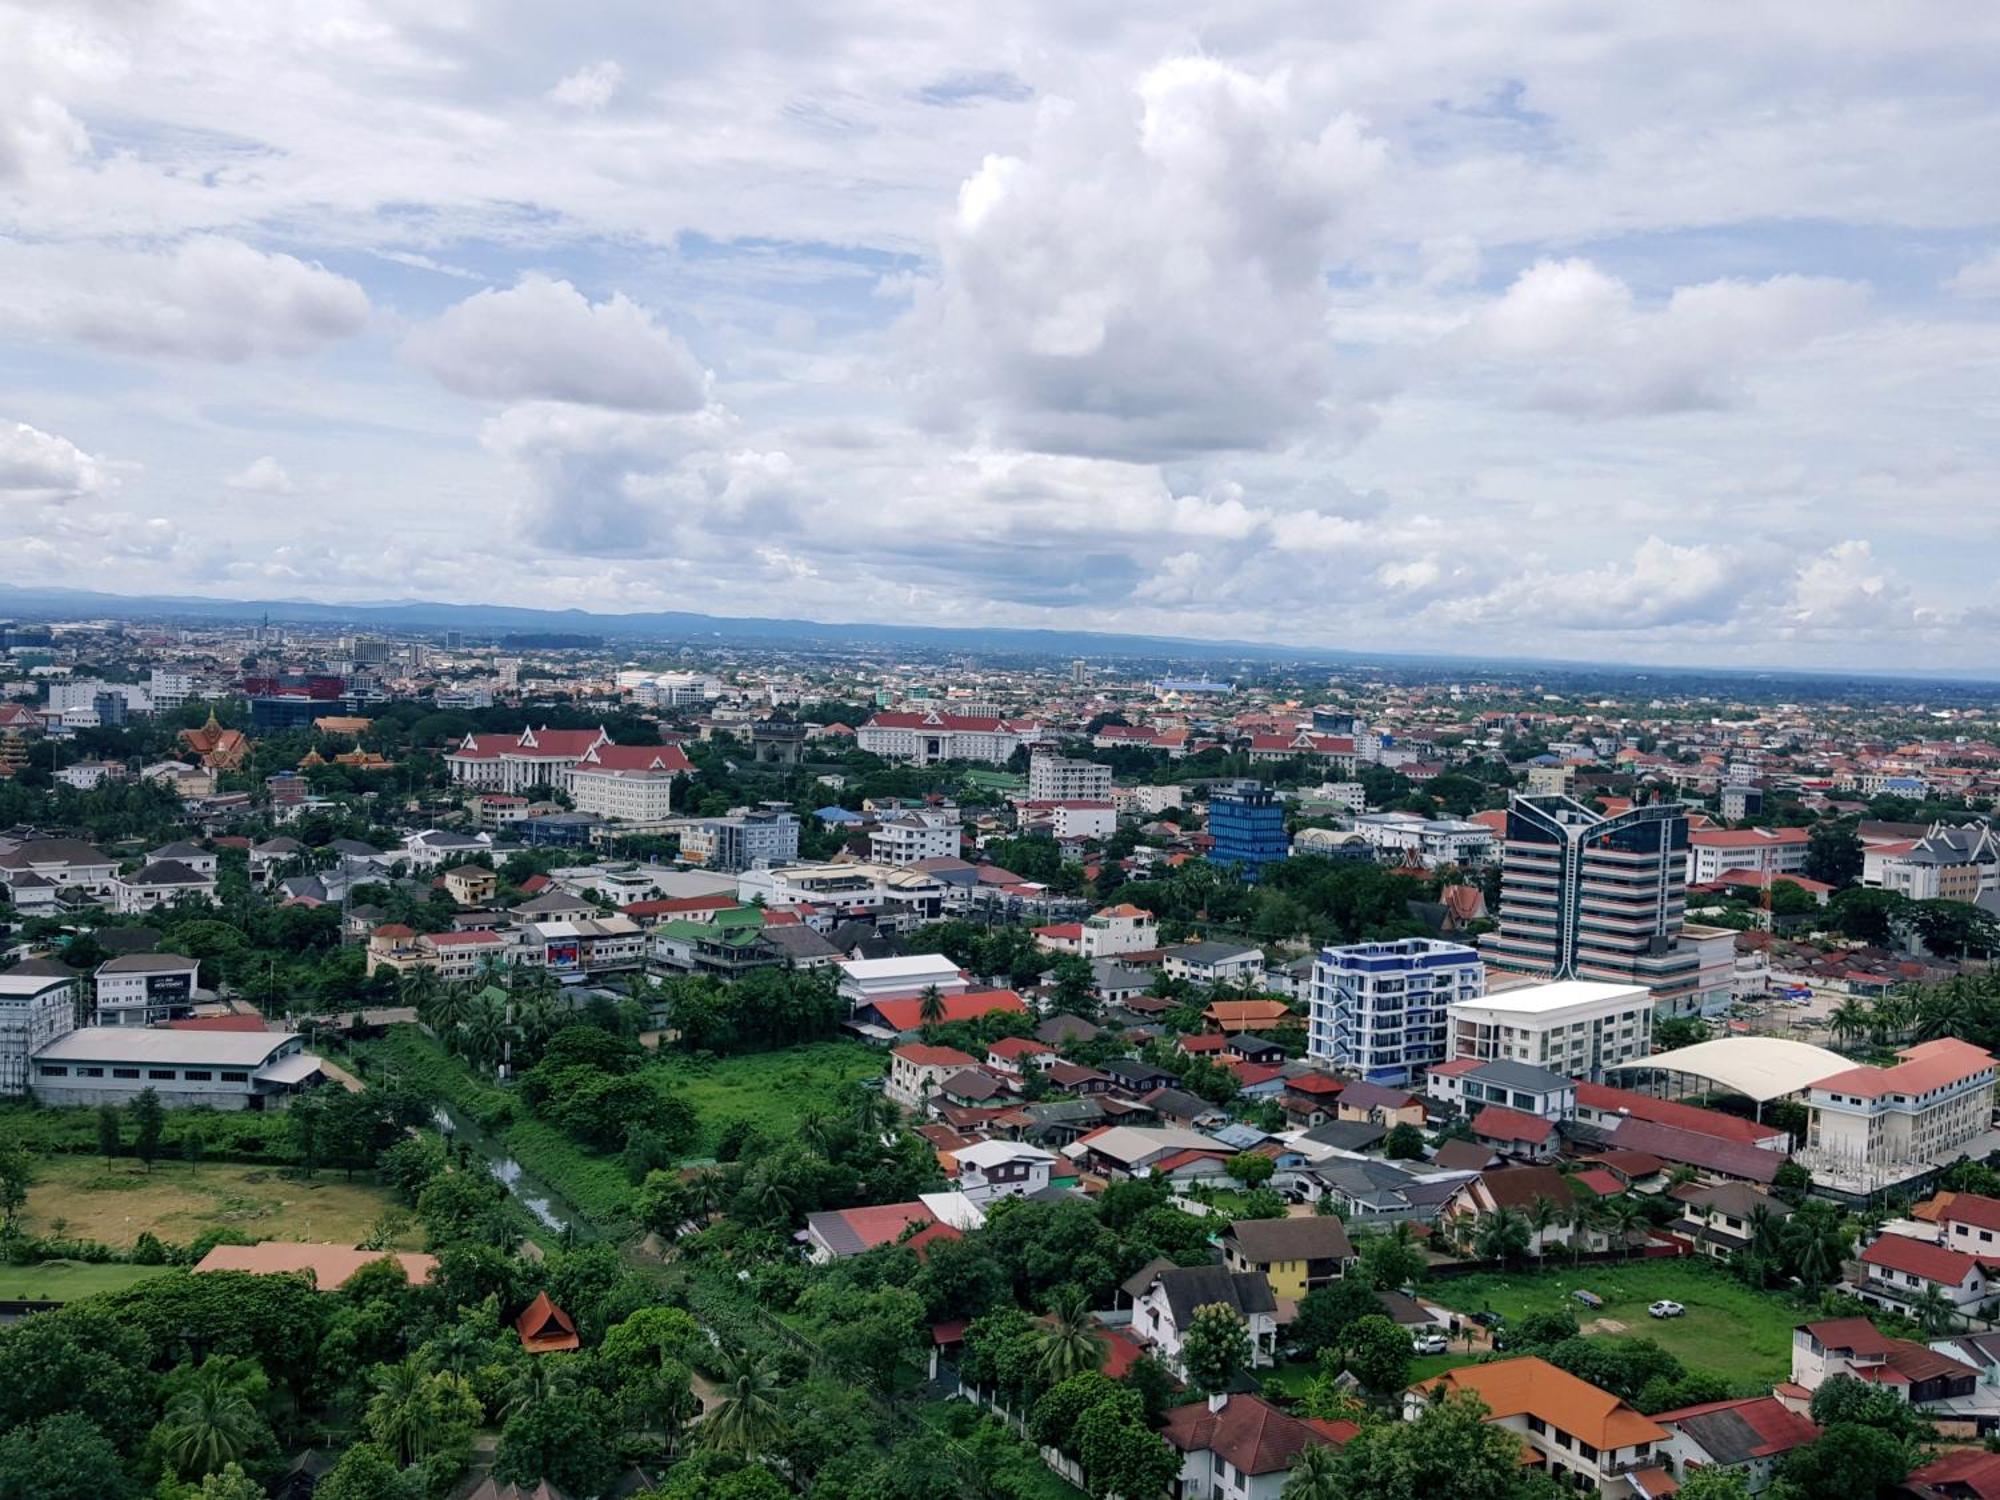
(1641, 333)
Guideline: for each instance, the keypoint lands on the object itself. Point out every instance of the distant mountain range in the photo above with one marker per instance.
(687, 628)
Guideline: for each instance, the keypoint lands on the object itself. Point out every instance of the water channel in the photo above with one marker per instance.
(548, 1206)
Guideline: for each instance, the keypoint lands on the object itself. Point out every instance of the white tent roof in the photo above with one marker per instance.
(1760, 1067)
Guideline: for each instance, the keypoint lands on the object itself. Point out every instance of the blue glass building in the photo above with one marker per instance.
(1248, 826)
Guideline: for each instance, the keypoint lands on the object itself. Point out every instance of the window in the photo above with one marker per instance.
(165, 1075)
(235, 1077)
(197, 1075)
(90, 1072)
(124, 1072)
(54, 1070)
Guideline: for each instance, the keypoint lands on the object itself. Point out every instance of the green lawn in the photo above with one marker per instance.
(1293, 1376)
(771, 1090)
(1730, 1330)
(67, 1280)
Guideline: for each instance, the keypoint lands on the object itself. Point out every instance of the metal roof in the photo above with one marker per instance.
(141, 1044)
(1758, 1067)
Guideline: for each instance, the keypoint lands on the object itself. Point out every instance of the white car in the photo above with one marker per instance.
(1665, 1309)
(1430, 1343)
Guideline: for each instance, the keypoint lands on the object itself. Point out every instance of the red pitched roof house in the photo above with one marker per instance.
(1248, 1434)
(545, 1328)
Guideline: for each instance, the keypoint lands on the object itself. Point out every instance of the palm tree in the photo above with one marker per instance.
(931, 1009)
(418, 988)
(1543, 1215)
(745, 1420)
(449, 1005)
(1849, 1019)
(486, 1032)
(1314, 1475)
(1584, 1215)
(771, 1198)
(1944, 1010)
(1626, 1218)
(458, 1349)
(1503, 1235)
(1069, 1344)
(210, 1424)
(401, 1415)
(535, 1018)
(541, 1378)
(1932, 1309)
(873, 1112)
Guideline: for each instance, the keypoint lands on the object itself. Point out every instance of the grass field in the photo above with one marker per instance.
(67, 1280)
(771, 1090)
(1742, 1335)
(1293, 1376)
(85, 1197)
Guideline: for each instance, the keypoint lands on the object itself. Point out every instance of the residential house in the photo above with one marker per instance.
(269, 857)
(1971, 1224)
(1854, 1346)
(1165, 1309)
(1215, 963)
(1131, 1076)
(1584, 1437)
(1897, 1271)
(916, 1071)
(1017, 1054)
(1255, 1049)
(1240, 1447)
(1469, 1084)
(1519, 1189)
(1720, 1218)
(999, 1169)
(1310, 1099)
(1370, 1103)
(1133, 1150)
(1750, 1436)
(470, 885)
(1294, 1255)
(545, 1328)
(160, 884)
(1511, 1133)
(1231, 1016)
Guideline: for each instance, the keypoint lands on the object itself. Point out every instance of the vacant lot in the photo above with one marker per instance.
(85, 1197)
(771, 1090)
(1742, 1335)
(67, 1280)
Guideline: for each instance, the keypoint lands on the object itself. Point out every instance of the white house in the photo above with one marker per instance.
(159, 884)
(1165, 1307)
(1241, 1447)
(916, 1071)
(627, 783)
(1002, 1169)
(140, 989)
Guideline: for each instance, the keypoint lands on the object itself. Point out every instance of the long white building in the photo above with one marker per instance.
(626, 783)
(229, 1070)
(1056, 778)
(1575, 1027)
(922, 738)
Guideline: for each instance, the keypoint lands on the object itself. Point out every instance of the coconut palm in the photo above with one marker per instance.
(1069, 1343)
(418, 988)
(930, 1010)
(771, 1198)
(1584, 1215)
(1849, 1019)
(448, 1008)
(815, 1130)
(212, 1423)
(458, 1349)
(1503, 1235)
(486, 1032)
(1315, 1475)
(543, 1377)
(1625, 1219)
(1944, 1010)
(401, 1415)
(745, 1420)
(1932, 1309)
(1543, 1215)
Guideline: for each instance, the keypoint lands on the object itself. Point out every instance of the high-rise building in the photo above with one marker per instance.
(1586, 896)
(1379, 1008)
(1248, 826)
(1056, 778)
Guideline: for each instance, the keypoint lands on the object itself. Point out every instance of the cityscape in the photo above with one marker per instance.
(856, 753)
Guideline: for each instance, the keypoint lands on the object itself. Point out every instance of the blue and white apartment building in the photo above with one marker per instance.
(1378, 1009)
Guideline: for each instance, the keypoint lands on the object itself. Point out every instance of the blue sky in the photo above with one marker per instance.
(1662, 334)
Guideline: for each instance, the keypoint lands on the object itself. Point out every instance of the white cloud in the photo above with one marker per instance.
(208, 298)
(1592, 350)
(590, 87)
(36, 134)
(543, 340)
(1151, 283)
(1977, 278)
(262, 476)
(37, 465)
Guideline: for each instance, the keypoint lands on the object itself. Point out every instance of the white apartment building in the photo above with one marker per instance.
(160, 884)
(62, 863)
(1576, 1027)
(1766, 851)
(909, 896)
(905, 838)
(170, 690)
(1435, 841)
(142, 989)
(1055, 778)
(1379, 1009)
(1072, 820)
(35, 1009)
(916, 1072)
(742, 841)
(1113, 930)
(627, 783)
(1351, 795)
(1878, 1126)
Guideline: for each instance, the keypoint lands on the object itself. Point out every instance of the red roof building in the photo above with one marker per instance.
(545, 1328)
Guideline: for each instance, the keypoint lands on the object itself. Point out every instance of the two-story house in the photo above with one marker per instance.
(1000, 1169)
(1292, 1255)
(1895, 1271)
(1854, 1346)
(1241, 1447)
(1165, 1310)
(1721, 1218)
(1749, 1436)
(1585, 1437)
(917, 1071)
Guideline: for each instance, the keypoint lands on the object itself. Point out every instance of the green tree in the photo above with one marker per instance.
(1714, 1484)
(1391, 1261)
(1846, 1462)
(1250, 1169)
(149, 1123)
(1215, 1347)
(1833, 853)
(1404, 1142)
(746, 1419)
(109, 1143)
(1070, 1344)
(566, 1440)
(415, 1412)
(1449, 1450)
(17, 1175)
(1120, 1455)
(63, 1457)
(365, 1472)
(211, 1423)
(229, 1483)
(1378, 1354)
(1503, 1235)
(1327, 1312)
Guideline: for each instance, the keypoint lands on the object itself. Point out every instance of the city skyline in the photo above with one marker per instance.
(1655, 340)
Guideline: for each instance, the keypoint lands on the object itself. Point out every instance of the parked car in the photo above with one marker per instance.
(1430, 1343)
(1666, 1309)
(1588, 1299)
(1486, 1317)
